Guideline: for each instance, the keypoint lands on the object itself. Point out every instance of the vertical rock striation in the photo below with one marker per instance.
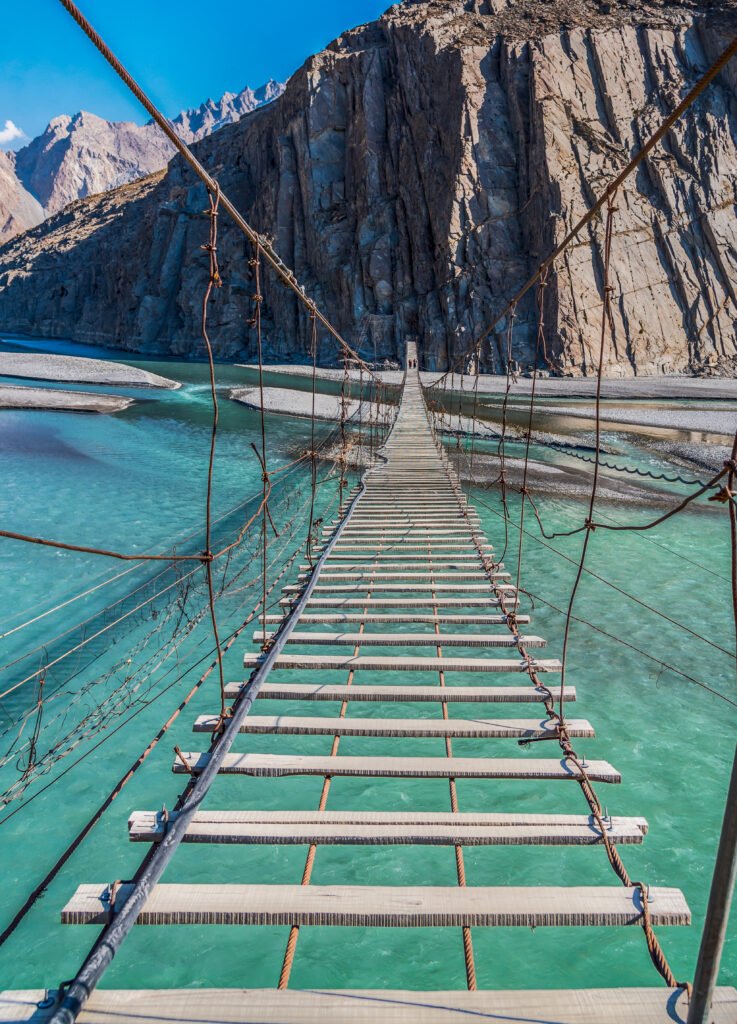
(413, 174)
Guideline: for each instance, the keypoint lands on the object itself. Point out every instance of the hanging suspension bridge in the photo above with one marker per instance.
(412, 630)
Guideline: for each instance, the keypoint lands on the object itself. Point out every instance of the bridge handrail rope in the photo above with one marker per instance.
(40, 889)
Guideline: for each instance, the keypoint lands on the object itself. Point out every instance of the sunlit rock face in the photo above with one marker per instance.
(19, 210)
(413, 175)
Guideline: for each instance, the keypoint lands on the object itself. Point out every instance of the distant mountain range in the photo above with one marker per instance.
(84, 155)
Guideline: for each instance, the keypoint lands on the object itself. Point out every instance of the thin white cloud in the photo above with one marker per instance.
(10, 133)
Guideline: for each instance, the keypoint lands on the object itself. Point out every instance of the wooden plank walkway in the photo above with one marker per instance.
(410, 570)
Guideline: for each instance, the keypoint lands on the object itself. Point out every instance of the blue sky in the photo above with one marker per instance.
(181, 51)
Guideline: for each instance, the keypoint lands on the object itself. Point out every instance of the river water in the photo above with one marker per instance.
(136, 480)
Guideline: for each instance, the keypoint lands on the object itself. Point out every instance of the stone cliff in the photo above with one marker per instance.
(413, 174)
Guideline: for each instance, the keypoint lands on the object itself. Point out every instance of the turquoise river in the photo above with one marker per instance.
(135, 481)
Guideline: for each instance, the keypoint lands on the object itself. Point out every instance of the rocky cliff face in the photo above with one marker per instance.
(84, 155)
(19, 210)
(413, 174)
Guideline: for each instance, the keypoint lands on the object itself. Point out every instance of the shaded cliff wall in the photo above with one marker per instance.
(413, 174)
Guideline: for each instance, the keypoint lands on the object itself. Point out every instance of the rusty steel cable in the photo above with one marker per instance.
(540, 342)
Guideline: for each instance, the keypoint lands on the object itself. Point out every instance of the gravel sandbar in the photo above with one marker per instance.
(12, 397)
(79, 370)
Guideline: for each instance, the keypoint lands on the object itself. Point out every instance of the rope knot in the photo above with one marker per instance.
(723, 495)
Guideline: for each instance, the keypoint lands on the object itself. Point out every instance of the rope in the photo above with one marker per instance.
(213, 281)
(48, 878)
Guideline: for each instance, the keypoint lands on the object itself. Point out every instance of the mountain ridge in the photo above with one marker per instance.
(84, 154)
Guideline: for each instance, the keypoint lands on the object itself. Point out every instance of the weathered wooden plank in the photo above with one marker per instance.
(409, 545)
(374, 1006)
(367, 906)
(527, 694)
(407, 639)
(387, 663)
(440, 587)
(351, 828)
(377, 532)
(377, 617)
(370, 576)
(397, 562)
(479, 728)
(156, 820)
(378, 602)
(276, 765)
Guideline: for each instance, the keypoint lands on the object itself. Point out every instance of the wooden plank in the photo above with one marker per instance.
(387, 663)
(460, 728)
(398, 534)
(396, 562)
(385, 829)
(374, 1006)
(336, 618)
(382, 602)
(402, 546)
(376, 906)
(510, 819)
(412, 515)
(277, 765)
(527, 694)
(441, 587)
(404, 563)
(370, 576)
(407, 639)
